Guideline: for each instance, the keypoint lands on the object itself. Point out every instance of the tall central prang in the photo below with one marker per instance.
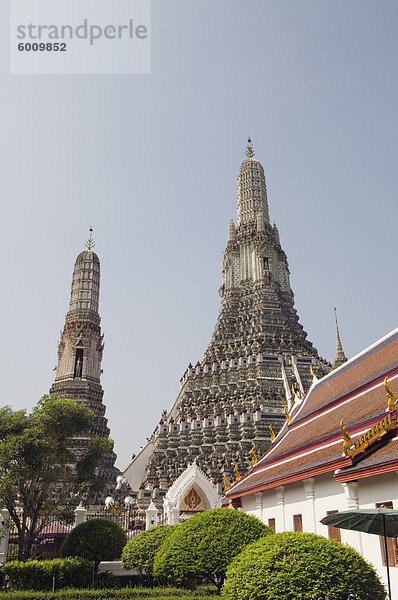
(232, 402)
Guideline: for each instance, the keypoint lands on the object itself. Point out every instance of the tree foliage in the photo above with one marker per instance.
(287, 566)
(139, 552)
(37, 481)
(96, 540)
(205, 544)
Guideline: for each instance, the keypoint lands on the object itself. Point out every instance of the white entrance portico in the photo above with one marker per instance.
(192, 492)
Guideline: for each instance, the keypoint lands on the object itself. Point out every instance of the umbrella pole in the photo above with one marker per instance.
(386, 551)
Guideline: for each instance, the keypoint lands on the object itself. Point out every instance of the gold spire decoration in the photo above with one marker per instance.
(249, 149)
(237, 476)
(288, 417)
(340, 356)
(347, 443)
(391, 398)
(226, 484)
(273, 436)
(293, 390)
(90, 242)
(254, 457)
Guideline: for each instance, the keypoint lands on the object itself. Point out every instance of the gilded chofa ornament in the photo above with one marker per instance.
(254, 457)
(237, 475)
(376, 432)
(347, 441)
(391, 398)
(288, 417)
(272, 432)
(227, 485)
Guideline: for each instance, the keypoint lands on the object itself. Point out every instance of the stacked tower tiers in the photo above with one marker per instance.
(258, 360)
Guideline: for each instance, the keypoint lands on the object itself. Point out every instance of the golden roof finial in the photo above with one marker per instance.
(340, 356)
(288, 417)
(237, 476)
(90, 242)
(314, 377)
(226, 484)
(347, 443)
(249, 148)
(254, 457)
(273, 436)
(391, 398)
(293, 390)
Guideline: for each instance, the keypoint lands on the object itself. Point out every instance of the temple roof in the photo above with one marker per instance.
(312, 442)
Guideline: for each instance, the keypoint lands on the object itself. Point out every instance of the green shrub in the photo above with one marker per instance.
(139, 552)
(204, 545)
(201, 593)
(38, 575)
(288, 566)
(96, 540)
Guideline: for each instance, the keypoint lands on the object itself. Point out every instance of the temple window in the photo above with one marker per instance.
(78, 363)
(392, 546)
(334, 533)
(297, 523)
(272, 524)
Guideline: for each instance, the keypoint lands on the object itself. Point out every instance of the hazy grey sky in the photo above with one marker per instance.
(150, 161)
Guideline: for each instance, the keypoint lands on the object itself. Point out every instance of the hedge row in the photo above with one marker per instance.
(38, 575)
(162, 593)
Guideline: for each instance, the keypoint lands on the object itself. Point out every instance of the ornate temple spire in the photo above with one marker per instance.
(252, 190)
(80, 350)
(258, 350)
(340, 356)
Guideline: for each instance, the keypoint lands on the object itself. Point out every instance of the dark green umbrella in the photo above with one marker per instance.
(380, 521)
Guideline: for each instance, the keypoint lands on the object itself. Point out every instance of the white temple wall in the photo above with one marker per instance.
(329, 495)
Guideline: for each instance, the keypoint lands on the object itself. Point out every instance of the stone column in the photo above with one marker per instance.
(354, 538)
(80, 515)
(280, 499)
(151, 516)
(351, 493)
(173, 513)
(5, 529)
(175, 516)
(309, 487)
(259, 504)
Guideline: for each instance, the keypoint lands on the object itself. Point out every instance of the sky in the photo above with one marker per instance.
(150, 162)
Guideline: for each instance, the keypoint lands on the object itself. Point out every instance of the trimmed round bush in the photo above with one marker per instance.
(96, 540)
(139, 552)
(204, 545)
(288, 566)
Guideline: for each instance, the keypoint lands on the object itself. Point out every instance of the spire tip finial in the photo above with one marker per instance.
(249, 148)
(340, 356)
(90, 242)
